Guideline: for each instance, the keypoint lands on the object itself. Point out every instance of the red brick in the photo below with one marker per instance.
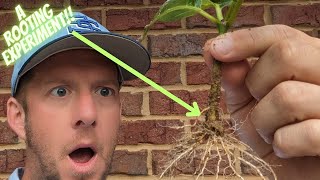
(198, 73)
(11, 4)
(3, 161)
(178, 45)
(296, 15)
(202, 97)
(162, 105)
(131, 103)
(94, 14)
(53, 3)
(126, 19)
(84, 3)
(250, 16)
(15, 158)
(5, 76)
(163, 73)
(130, 163)
(3, 104)
(187, 166)
(159, 160)
(7, 135)
(247, 16)
(149, 131)
(157, 1)
(7, 21)
(11, 159)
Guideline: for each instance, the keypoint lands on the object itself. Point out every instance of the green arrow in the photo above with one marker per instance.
(194, 111)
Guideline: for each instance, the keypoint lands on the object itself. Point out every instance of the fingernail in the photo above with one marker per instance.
(279, 153)
(223, 44)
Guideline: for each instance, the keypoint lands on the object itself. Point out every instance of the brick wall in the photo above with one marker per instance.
(177, 65)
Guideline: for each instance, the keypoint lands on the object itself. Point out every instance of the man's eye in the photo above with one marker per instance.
(59, 91)
(105, 91)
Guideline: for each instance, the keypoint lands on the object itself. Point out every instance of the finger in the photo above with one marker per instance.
(236, 93)
(246, 43)
(290, 59)
(208, 58)
(289, 102)
(296, 140)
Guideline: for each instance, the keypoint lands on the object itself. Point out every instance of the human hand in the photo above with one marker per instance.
(275, 103)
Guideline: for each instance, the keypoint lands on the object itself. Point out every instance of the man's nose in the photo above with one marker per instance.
(86, 110)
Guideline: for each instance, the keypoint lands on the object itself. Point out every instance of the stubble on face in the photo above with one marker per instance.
(47, 169)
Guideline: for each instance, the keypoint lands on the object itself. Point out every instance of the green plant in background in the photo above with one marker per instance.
(214, 133)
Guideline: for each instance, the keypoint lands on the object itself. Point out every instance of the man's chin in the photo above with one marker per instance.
(91, 169)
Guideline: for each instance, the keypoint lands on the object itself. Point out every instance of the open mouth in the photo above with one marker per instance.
(82, 155)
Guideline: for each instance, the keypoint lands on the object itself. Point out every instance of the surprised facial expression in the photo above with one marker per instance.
(73, 115)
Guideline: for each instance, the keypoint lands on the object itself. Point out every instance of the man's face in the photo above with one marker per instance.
(73, 116)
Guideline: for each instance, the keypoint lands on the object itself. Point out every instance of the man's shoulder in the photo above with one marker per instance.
(16, 174)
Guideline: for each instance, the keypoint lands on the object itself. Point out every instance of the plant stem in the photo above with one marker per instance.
(213, 114)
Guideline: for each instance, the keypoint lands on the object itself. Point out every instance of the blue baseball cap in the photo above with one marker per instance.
(126, 49)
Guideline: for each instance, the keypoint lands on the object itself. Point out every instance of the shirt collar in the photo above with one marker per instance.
(17, 174)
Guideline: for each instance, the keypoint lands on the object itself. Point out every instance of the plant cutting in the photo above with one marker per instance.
(214, 138)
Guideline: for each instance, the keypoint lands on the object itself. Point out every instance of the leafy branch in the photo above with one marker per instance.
(215, 133)
(174, 10)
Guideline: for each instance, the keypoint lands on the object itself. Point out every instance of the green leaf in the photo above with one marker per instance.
(222, 3)
(232, 12)
(173, 10)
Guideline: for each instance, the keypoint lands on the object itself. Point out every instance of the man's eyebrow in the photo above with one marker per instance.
(58, 81)
(107, 82)
(72, 82)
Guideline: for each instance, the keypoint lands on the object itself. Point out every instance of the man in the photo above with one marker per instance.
(69, 115)
(65, 102)
(278, 98)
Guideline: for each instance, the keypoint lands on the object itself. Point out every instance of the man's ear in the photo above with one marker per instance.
(16, 117)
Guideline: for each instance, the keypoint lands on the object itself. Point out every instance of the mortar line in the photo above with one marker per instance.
(149, 162)
(5, 91)
(4, 175)
(178, 87)
(104, 17)
(3, 119)
(155, 117)
(145, 109)
(146, 2)
(183, 73)
(182, 176)
(267, 17)
(139, 147)
(193, 58)
(117, 7)
(12, 146)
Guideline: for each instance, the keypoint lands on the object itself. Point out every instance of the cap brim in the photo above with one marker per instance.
(127, 50)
